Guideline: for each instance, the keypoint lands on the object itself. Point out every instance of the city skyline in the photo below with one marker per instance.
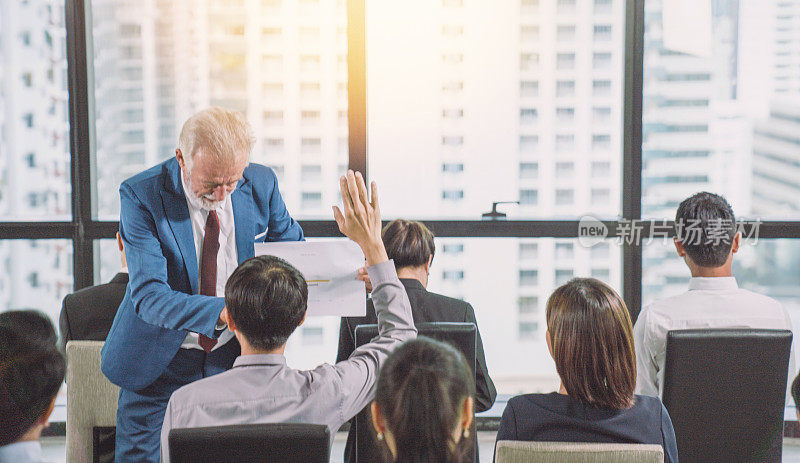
(525, 106)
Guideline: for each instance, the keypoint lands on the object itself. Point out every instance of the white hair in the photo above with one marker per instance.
(222, 134)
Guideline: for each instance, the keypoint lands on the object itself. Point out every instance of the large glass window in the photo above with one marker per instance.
(34, 132)
(722, 107)
(509, 300)
(460, 112)
(35, 274)
(512, 111)
(282, 64)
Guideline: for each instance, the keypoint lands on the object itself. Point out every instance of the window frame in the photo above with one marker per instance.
(84, 230)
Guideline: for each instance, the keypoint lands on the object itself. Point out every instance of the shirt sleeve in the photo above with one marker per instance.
(646, 367)
(668, 437)
(359, 372)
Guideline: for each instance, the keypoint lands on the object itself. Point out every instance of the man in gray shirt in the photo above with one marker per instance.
(265, 301)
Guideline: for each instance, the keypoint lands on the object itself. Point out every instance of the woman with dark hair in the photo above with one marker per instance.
(590, 337)
(423, 405)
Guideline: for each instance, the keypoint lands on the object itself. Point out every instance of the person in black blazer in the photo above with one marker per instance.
(410, 244)
(87, 314)
(590, 337)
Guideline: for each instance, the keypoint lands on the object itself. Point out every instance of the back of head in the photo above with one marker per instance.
(222, 134)
(592, 340)
(408, 243)
(705, 226)
(421, 390)
(32, 369)
(267, 299)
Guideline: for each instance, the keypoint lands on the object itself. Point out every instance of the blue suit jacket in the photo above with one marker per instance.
(161, 303)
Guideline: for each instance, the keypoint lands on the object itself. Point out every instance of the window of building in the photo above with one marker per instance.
(528, 277)
(529, 88)
(528, 197)
(565, 197)
(528, 170)
(453, 168)
(602, 33)
(528, 250)
(565, 61)
(565, 33)
(528, 305)
(452, 195)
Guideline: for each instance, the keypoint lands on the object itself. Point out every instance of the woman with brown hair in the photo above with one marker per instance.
(589, 334)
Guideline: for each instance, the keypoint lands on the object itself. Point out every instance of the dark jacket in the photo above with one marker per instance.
(556, 417)
(86, 315)
(426, 307)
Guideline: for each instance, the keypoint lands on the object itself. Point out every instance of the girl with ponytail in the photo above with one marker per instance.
(423, 406)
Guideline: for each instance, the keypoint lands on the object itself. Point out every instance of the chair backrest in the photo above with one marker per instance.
(91, 399)
(462, 336)
(263, 443)
(508, 451)
(725, 392)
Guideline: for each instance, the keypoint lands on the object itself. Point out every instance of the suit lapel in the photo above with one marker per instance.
(177, 213)
(242, 201)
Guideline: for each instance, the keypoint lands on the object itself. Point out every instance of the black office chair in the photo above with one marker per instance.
(725, 392)
(462, 336)
(262, 443)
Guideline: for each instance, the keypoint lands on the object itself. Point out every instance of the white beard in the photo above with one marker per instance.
(202, 202)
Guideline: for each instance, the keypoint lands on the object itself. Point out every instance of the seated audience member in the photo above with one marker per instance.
(88, 314)
(410, 245)
(32, 369)
(423, 405)
(589, 337)
(706, 239)
(265, 300)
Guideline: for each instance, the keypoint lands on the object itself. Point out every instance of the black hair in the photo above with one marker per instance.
(267, 299)
(421, 391)
(705, 226)
(408, 243)
(32, 368)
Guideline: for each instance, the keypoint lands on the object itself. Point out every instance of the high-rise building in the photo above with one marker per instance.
(776, 160)
(34, 162)
(524, 107)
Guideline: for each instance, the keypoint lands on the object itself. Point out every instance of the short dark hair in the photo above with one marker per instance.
(267, 299)
(32, 369)
(705, 226)
(592, 339)
(421, 391)
(408, 243)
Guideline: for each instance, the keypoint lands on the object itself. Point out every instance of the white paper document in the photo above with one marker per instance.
(330, 269)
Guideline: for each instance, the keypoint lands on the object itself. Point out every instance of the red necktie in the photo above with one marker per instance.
(208, 269)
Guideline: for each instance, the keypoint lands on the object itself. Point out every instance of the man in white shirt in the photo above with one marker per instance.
(706, 240)
(265, 301)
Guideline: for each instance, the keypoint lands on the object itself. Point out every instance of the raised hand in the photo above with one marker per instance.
(361, 219)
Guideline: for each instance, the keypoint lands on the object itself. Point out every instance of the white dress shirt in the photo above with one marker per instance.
(227, 260)
(21, 452)
(716, 302)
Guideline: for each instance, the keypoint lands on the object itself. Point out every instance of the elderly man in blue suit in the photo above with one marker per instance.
(186, 223)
